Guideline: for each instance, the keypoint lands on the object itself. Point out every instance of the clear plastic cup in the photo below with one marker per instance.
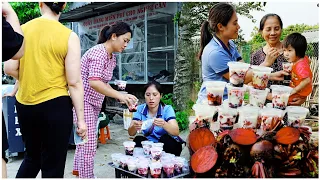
(235, 96)
(121, 84)
(280, 96)
(156, 153)
(270, 117)
(178, 164)
(133, 106)
(132, 164)
(129, 146)
(237, 72)
(116, 159)
(143, 168)
(227, 117)
(204, 111)
(138, 151)
(258, 97)
(248, 117)
(215, 90)
(146, 145)
(296, 115)
(168, 168)
(123, 161)
(155, 169)
(287, 66)
(260, 76)
(158, 144)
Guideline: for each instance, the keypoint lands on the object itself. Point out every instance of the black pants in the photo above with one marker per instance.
(5, 144)
(45, 129)
(170, 145)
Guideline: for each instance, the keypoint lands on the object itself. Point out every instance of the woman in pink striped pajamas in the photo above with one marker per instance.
(97, 66)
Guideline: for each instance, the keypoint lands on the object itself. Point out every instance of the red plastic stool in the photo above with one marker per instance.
(104, 136)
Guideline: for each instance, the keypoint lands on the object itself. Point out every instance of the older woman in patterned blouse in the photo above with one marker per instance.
(271, 55)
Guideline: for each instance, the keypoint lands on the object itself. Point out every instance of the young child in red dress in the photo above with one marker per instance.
(295, 46)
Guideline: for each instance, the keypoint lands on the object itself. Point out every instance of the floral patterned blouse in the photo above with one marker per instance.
(258, 57)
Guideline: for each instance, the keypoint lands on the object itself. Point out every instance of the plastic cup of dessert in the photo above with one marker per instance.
(237, 72)
(227, 117)
(248, 117)
(280, 96)
(155, 169)
(296, 115)
(260, 76)
(235, 96)
(129, 146)
(215, 90)
(270, 117)
(258, 97)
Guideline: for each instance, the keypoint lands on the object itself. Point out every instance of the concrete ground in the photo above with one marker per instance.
(103, 156)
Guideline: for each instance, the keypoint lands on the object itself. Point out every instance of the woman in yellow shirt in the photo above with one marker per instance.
(49, 69)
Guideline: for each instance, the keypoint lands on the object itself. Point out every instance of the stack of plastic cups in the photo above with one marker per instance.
(280, 96)
(259, 91)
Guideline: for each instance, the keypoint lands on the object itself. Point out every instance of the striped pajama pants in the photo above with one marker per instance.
(84, 155)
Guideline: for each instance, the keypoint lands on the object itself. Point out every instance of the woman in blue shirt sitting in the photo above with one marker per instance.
(164, 129)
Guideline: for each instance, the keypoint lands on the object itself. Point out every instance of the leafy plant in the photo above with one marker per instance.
(168, 100)
(182, 120)
(182, 117)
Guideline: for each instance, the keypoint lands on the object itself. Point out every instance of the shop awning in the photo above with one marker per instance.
(83, 10)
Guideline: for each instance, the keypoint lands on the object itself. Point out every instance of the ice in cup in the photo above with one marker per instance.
(178, 164)
(237, 72)
(156, 153)
(227, 117)
(168, 168)
(116, 159)
(248, 117)
(129, 146)
(258, 97)
(280, 96)
(133, 106)
(215, 90)
(270, 118)
(143, 168)
(235, 96)
(155, 169)
(121, 84)
(260, 76)
(296, 115)
(146, 145)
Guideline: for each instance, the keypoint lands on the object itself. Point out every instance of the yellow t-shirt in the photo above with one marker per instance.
(42, 74)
